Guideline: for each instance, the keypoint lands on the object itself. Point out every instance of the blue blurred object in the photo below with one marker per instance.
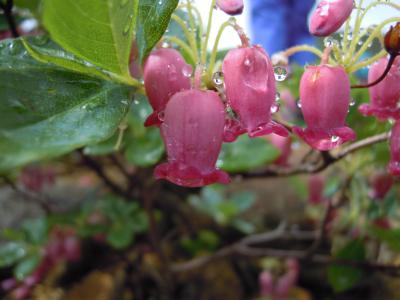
(280, 24)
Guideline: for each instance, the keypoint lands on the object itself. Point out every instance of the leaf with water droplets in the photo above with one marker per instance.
(153, 20)
(98, 31)
(54, 111)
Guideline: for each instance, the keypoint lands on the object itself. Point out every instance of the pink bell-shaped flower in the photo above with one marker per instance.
(284, 144)
(192, 131)
(165, 73)
(394, 164)
(329, 16)
(325, 101)
(231, 7)
(250, 90)
(385, 95)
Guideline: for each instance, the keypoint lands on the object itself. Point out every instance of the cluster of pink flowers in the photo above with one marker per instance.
(194, 123)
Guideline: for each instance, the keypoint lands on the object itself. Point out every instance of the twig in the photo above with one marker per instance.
(43, 203)
(98, 169)
(7, 9)
(327, 160)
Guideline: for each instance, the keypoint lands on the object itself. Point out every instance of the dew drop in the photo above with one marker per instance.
(352, 102)
(218, 79)
(41, 40)
(330, 42)
(165, 44)
(136, 102)
(128, 25)
(274, 108)
(277, 97)
(247, 62)
(160, 2)
(299, 104)
(161, 116)
(280, 73)
(187, 71)
(334, 138)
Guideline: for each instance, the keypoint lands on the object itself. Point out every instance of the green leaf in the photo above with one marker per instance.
(246, 154)
(36, 230)
(10, 253)
(390, 236)
(103, 148)
(45, 50)
(120, 236)
(26, 266)
(153, 20)
(46, 111)
(343, 277)
(98, 31)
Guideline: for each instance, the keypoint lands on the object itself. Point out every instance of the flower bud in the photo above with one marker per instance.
(231, 7)
(165, 73)
(325, 101)
(381, 183)
(266, 282)
(192, 131)
(250, 90)
(392, 40)
(394, 164)
(329, 16)
(386, 94)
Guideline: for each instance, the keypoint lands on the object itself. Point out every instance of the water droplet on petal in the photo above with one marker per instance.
(161, 116)
(277, 97)
(274, 108)
(334, 138)
(352, 102)
(187, 71)
(299, 104)
(165, 44)
(280, 73)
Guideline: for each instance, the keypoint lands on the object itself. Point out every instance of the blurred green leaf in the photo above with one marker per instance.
(342, 277)
(246, 154)
(26, 266)
(32, 5)
(390, 236)
(103, 148)
(36, 230)
(120, 236)
(153, 20)
(11, 253)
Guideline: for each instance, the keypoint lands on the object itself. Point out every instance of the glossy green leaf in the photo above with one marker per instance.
(46, 111)
(153, 19)
(26, 266)
(343, 277)
(98, 31)
(11, 253)
(246, 154)
(45, 50)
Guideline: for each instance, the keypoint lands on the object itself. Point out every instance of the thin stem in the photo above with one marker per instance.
(367, 62)
(376, 3)
(183, 45)
(191, 22)
(345, 39)
(215, 48)
(357, 26)
(374, 34)
(189, 35)
(375, 82)
(208, 30)
(302, 48)
(198, 16)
